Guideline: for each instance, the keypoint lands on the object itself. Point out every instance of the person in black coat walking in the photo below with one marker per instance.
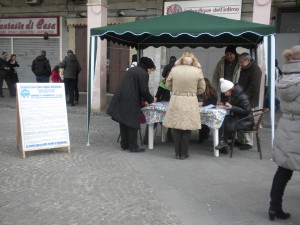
(125, 106)
(13, 75)
(4, 75)
(71, 68)
(41, 68)
(239, 107)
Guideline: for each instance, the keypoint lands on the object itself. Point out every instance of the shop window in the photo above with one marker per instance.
(288, 20)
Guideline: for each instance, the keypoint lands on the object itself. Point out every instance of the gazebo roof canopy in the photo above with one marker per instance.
(185, 29)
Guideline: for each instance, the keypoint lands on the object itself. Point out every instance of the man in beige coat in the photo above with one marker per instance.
(185, 81)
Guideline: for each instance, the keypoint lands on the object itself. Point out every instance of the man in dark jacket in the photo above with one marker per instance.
(239, 107)
(125, 106)
(250, 78)
(41, 68)
(4, 75)
(71, 68)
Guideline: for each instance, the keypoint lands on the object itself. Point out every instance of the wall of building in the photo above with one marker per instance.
(73, 11)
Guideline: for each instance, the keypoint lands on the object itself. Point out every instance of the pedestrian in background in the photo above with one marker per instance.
(41, 68)
(186, 82)
(55, 77)
(71, 68)
(13, 75)
(4, 75)
(286, 151)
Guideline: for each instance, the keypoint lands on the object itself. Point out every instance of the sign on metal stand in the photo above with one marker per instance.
(42, 121)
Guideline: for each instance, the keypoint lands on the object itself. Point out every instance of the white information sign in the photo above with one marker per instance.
(42, 116)
(228, 9)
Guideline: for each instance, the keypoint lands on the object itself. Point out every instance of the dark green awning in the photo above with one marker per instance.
(185, 29)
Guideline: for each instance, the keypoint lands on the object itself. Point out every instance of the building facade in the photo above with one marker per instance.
(71, 33)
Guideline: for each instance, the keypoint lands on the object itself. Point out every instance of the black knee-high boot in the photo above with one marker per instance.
(280, 180)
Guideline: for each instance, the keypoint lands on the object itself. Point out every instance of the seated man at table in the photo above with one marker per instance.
(239, 107)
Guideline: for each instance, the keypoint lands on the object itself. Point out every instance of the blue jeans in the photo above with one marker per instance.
(42, 79)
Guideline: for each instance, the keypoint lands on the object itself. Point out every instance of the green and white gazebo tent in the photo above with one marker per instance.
(187, 29)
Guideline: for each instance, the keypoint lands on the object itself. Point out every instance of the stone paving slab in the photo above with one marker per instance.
(100, 184)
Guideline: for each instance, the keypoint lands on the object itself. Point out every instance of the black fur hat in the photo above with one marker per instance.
(147, 62)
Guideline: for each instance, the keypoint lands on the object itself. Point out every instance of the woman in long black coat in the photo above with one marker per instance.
(125, 106)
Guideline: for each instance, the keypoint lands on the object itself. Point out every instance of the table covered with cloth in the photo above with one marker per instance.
(156, 112)
(211, 117)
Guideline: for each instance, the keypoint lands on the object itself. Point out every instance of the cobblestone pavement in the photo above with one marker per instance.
(100, 184)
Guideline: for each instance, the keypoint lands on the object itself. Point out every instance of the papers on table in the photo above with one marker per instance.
(156, 104)
(209, 106)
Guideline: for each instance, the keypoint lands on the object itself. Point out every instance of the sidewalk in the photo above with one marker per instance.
(100, 184)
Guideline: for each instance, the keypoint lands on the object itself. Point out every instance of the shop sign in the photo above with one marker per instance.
(29, 26)
(229, 9)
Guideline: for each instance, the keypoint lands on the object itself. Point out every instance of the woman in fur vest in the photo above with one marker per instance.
(286, 152)
(186, 82)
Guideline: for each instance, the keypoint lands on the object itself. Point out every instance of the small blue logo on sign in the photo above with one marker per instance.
(25, 93)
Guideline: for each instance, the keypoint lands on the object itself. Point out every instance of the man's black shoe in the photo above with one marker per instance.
(222, 144)
(224, 150)
(245, 147)
(137, 149)
(236, 143)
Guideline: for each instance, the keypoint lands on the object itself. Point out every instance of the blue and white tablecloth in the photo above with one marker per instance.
(156, 112)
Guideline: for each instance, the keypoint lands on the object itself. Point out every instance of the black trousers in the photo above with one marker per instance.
(8, 83)
(128, 137)
(280, 180)
(70, 88)
(181, 141)
(76, 90)
(204, 132)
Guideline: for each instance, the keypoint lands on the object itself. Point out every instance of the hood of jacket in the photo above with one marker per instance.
(288, 83)
(41, 58)
(71, 57)
(237, 90)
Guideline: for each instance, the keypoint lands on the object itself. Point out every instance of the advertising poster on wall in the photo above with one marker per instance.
(228, 9)
(42, 116)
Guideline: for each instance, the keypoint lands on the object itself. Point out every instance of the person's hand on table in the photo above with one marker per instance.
(200, 104)
(219, 103)
(155, 99)
(228, 105)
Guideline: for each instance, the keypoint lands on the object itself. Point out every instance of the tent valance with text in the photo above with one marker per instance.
(185, 29)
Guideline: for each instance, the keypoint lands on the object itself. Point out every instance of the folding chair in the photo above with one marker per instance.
(257, 113)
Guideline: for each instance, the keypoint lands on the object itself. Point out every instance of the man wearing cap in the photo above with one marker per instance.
(249, 80)
(239, 107)
(41, 68)
(125, 106)
(227, 68)
(71, 68)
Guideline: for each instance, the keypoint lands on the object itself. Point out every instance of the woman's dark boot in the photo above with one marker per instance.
(280, 180)
(279, 215)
